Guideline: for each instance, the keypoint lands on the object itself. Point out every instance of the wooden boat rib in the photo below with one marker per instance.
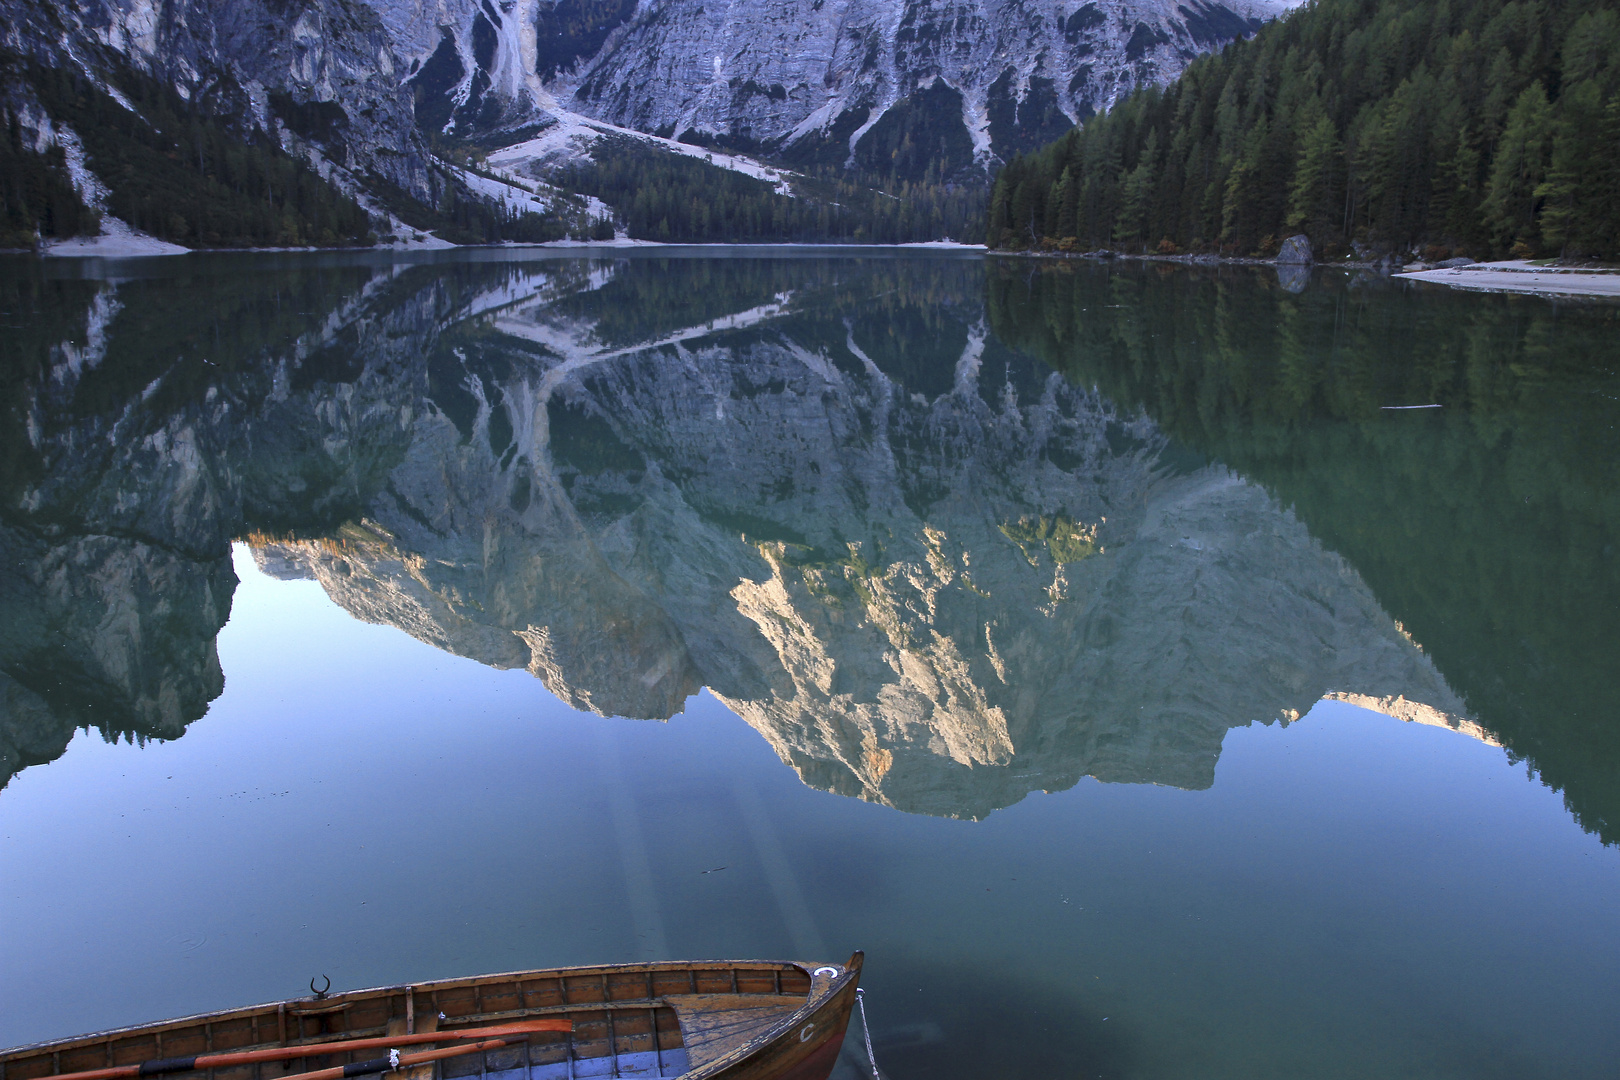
(701, 1020)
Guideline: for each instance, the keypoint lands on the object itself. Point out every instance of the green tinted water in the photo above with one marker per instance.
(1088, 644)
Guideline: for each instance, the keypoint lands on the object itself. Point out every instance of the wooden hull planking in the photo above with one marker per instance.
(715, 1020)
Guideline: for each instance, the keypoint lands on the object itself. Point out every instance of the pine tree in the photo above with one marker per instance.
(1238, 226)
(1068, 202)
(1516, 174)
(1313, 197)
(1401, 123)
(1133, 201)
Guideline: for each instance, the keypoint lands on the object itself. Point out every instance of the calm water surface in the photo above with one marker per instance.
(1090, 645)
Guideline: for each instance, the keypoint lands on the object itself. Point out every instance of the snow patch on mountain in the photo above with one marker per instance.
(117, 238)
(571, 138)
(524, 193)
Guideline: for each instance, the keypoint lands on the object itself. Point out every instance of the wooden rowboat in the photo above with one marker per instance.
(704, 1020)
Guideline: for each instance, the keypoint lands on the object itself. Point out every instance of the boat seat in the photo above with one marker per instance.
(713, 1025)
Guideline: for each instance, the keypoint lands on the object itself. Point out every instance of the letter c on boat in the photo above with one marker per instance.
(807, 1031)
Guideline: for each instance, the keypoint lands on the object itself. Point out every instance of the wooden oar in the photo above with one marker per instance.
(397, 1060)
(286, 1053)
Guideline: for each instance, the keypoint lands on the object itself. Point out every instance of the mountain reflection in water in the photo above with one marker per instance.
(932, 571)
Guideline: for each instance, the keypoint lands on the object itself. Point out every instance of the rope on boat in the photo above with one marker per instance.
(866, 1031)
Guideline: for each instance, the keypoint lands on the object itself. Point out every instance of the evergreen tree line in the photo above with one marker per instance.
(1477, 127)
(183, 174)
(462, 217)
(36, 193)
(666, 196)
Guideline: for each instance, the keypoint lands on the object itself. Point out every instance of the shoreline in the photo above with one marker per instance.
(1506, 276)
(1520, 276)
(117, 246)
(1509, 276)
(1198, 260)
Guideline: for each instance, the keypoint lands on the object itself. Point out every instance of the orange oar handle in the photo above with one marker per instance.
(522, 1028)
(287, 1053)
(396, 1060)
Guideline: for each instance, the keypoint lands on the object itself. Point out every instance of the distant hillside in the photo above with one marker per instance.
(1480, 128)
(253, 123)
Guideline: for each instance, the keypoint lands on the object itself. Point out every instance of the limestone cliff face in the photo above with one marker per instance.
(271, 65)
(939, 595)
(971, 80)
(1011, 75)
(351, 85)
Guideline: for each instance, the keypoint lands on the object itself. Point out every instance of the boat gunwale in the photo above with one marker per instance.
(847, 972)
(73, 1042)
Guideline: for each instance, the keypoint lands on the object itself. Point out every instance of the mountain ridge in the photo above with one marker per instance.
(394, 106)
(780, 76)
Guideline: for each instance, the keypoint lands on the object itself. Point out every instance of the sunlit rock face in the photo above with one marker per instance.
(937, 578)
(1208, 610)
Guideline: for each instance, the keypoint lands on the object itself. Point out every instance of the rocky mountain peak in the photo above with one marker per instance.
(882, 84)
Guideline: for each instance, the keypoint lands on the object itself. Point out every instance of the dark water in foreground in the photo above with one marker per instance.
(1089, 645)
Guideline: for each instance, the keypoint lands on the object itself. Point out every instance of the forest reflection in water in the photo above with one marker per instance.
(943, 531)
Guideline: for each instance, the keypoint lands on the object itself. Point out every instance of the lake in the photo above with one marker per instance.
(1159, 671)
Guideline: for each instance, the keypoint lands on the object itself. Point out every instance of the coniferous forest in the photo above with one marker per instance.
(36, 192)
(1437, 127)
(671, 197)
(175, 170)
(1447, 127)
